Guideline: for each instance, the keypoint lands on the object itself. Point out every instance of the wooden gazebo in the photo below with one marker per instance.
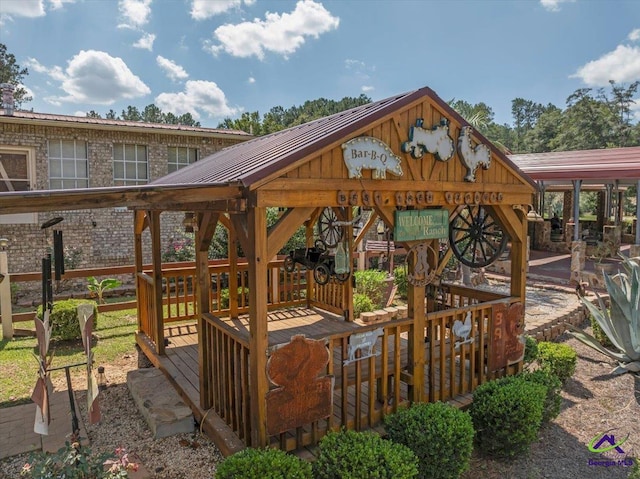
(255, 380)
(275, 356)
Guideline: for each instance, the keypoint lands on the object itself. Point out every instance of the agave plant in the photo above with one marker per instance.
(621, 322)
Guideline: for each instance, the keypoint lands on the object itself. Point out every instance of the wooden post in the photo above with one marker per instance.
(258, 334)
(5, 292)
(206, 227)
(233, 272)
(416, 311)
(138, 228)
(309, 280)
(347, 299)
(156, 255)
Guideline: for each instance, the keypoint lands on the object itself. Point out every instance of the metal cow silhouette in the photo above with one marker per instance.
(435, 141)
(472, 157)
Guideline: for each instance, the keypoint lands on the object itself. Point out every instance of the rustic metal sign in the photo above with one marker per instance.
(364, 342)
(472, 157)
(368, 153)
(411, 225)
(506, 340)
(302, 397)
(418, 256)
(435, 140)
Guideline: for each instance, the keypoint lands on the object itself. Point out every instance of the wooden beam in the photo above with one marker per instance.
(207, 223)
(258, 333)
(139, 219)
(286, 226)
(239, 224)
(411, 163)
(373, 217)
(416, 311)
(156, 257)
(510, 221)
(387, 214)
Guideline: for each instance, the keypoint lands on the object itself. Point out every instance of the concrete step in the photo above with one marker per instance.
(160, 405)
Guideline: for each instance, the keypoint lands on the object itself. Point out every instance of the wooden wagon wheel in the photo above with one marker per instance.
(329, 229)
(476, 238)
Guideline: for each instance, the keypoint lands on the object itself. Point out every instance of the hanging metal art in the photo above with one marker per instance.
(435, 141)
(366, 152)
(462, 329)
(86, 317)
(476, 238)
(43, 387)
(419, 255)
(472, 157)
(365, 343)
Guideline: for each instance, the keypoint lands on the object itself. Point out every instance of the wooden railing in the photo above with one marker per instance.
(227, 373)
(146, 308)
(329, 296)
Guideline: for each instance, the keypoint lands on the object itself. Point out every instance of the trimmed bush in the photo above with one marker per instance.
(363, 455)
(361, 304)
(559, 359)
(263, 464)
(553, 400)
(506, 415)
(224, 296)
(530, 350)
(440, 435)
(371, 283)
(64, 318)
(599, 333)
(400, 279)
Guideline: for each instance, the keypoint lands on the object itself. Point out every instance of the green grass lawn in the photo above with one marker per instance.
(113, 338)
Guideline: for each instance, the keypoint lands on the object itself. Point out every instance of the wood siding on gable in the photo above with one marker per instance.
(430, 173)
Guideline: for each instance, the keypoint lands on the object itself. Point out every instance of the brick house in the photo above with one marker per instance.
(41, 151)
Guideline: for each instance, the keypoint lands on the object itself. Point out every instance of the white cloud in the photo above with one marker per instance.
(251, 80)
(282, 34)
(22, 8)
(173, 71)
(354, 64)
(367, 88)
(554, 5)
(634, 36)
(93, 77)
(198, 96)
(621, 65)
(145, 42)
(135, 13)
(203, 9)
(58, 4)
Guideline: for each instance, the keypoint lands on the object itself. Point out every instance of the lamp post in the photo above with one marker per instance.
(5, 291)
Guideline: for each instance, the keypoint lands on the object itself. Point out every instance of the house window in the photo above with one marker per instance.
(179, 157)
(130, 164)
(17, 173)
(68, 165)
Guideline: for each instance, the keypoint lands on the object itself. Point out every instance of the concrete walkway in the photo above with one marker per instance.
(16, 427)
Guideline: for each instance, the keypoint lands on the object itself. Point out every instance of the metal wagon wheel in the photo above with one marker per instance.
(476, 238)
(329, 229)
(321, 273)
(289, 264)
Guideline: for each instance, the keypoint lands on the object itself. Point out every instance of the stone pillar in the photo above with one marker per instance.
(567, 209)
(634, 251)
(611, 237)
(578, 254)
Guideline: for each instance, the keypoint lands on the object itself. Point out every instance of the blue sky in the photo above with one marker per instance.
(219, 58)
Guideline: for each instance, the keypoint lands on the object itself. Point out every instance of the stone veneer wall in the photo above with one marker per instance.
(105, 236)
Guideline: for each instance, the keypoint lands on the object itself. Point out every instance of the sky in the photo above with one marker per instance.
(219, 58)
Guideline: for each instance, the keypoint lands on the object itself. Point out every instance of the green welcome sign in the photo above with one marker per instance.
(421, 224)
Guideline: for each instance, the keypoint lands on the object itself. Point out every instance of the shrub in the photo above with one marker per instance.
(440, 435)
(553, 385)
(263, 464)
(224, 296)
(599, 333)
(372, 284)
(506, 415)
(530, 350)
(64, 318)
(361, 304)
(363, 455)
(400, 278)
(74, 461)
(559, 359)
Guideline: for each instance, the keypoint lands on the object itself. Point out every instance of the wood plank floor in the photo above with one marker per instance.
(181, 363)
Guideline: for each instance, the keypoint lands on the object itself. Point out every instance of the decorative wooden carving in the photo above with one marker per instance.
(302, 397)
(420, 198)
(506, 340)
(420, 257)
(366, 198)
(477, 196)
(377, 198)
(342, 198)
(411, 198)
(400, 198)
(429, 197)
(449, 197)
(435, 141)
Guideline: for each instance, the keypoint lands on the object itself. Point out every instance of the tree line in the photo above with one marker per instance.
(590, 119)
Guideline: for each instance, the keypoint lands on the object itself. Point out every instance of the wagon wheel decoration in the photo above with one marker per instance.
(330, 228)
(476, 238)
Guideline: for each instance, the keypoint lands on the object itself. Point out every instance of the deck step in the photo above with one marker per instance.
(159, 403)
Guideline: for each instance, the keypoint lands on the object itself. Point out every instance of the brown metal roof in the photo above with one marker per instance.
(21, 116)
(603, 165)
(257, 160)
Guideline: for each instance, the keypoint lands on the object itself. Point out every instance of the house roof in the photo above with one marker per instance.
(20, 116)
(593, 166)
(255, 161)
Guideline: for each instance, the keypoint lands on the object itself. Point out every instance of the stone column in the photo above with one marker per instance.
(578, 253)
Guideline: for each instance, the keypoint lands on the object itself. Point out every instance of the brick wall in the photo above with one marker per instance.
(104, 236)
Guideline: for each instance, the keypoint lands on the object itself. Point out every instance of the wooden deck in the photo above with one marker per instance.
(364, 391)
